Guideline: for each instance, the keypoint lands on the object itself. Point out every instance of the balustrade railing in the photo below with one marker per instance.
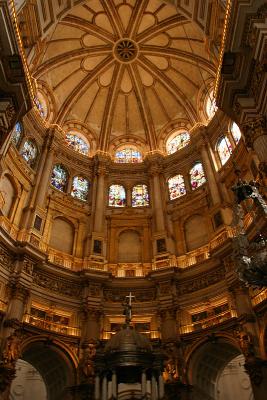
(207, 322)
(51, 326)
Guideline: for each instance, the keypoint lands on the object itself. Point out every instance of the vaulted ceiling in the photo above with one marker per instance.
(125, 69)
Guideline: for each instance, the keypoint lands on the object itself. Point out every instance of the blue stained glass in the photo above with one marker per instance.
(40, 107)
(117, 196)
(59, 177)
(29, 152)
(77, 143)
(236, 132)
(176, 187)
(16, 134)
(80, 187)
(140, 196)
(197, 176)
(128, 155)
(224, 149)
(178, 142)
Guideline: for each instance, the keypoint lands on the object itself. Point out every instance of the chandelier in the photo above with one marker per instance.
(250, 257)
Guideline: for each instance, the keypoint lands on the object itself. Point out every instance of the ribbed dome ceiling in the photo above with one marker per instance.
(125, 69)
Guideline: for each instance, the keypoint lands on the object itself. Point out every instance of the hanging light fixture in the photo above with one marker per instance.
(250, 257)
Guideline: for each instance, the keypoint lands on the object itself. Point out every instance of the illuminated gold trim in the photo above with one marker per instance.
(21, 49)
(224, 34)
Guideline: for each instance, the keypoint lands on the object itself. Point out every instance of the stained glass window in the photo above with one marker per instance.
(29, 152)
(80, 187)
(178, 142)
(59, 177)
(77, 143)
(116, 196)
(176, 187)
(211, 107)
(236, 133)
(41, 106)
(197, 176)
(16, 134)
(128, 155)
(224, 149)
(140, 196)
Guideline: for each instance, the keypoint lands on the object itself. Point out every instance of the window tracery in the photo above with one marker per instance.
(80, 188)
(178, 142)
(128, 155)
(236, 133)
(224, 149)
(29, 152)
(176, 187)
(197, 176)
(17, 133)
(59, 177)
(140, 196)
(77, 143)
(117, 196)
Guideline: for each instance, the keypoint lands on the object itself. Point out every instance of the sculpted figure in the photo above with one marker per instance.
(12, 349)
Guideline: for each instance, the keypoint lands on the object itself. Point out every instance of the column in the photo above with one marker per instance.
(129, 196)
(114, 384)
(143, 383)
(44, 172)
(168, 324)
(153, 387)
(100, 199)
(159, 216)
(91, 326)
(97, 387)
(104, 388)
(161, 387)
(208, 169)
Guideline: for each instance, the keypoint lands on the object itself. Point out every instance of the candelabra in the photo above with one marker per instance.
(250, 257)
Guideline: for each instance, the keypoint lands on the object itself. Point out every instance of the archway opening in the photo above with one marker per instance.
(28, 383)
(217, 372)
(52, 368)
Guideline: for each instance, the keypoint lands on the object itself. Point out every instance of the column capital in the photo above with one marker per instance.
(253, 129)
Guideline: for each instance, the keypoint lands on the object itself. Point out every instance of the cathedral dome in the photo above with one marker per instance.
(125, 72)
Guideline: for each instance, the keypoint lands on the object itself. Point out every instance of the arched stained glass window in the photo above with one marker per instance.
(224, 149)
(178, 142)
(140, 196)
(29, 152)
(116, 196)
(16, 134)
(41, 106)
(197, 176)
(128, 155)
(211, 107)
(59, 177)
(236, 133)
(80, 187)
(176, 187)
(77, 143)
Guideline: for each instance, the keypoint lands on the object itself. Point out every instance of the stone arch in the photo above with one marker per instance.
(207, 362)
(62, 235)
(196, 232)
(129, 246)
(54, 361)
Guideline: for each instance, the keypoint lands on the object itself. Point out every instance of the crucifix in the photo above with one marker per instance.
(128, 308)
